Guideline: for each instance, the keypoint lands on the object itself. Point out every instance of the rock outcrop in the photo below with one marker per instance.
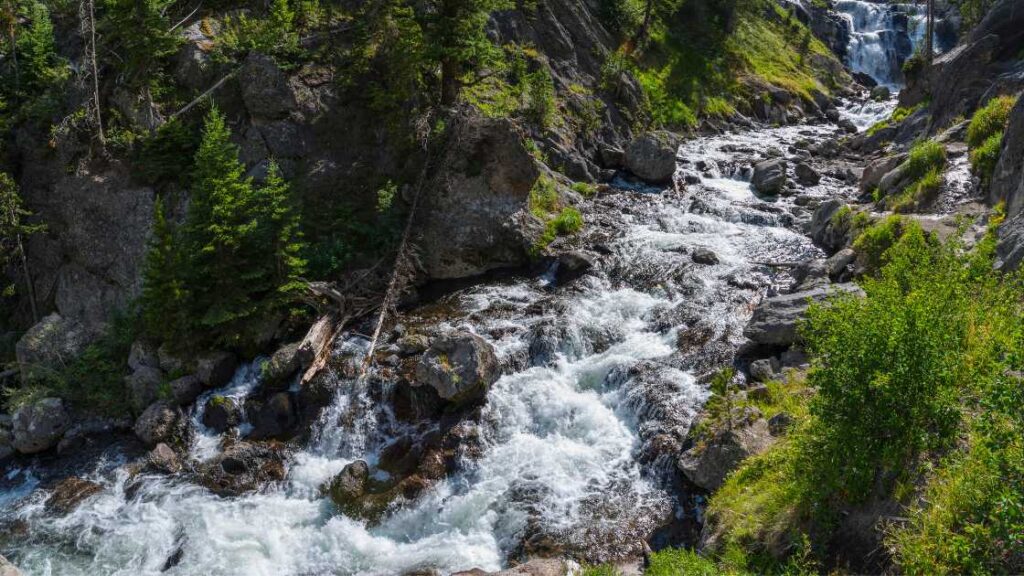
(51, 343)
(709, 463)
(775, 319)
(39, 425)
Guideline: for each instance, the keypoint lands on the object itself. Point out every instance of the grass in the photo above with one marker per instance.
(558, 220)
(985, 135)
(923, 170)
(897, 118)
(985, 157)
(584, 189)
(875, 240)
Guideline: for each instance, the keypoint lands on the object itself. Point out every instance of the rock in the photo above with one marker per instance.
(143, 387)
(51, 343)
(6, 443)
(775, 319)
(769, 176)
(652, 156)
(170, 362)
(69, 493)
(865, 79)
(759, 393)
(38, 426)
(411, 344)
(832, 114)
(1008, 178)
(847, 125)
(762, 371)
(485, 188)
(895, 180)
(243, 467)
(806, 175)
(534, 567)
(163, 459)
(838, 264)
(275, 417)
(265, 89)
(704, 256)
(880, 93)
(348, 487)
(276, 373)
(572, 265)
(186, 389)
(460, 367)
(161, 422)
(216, 369)
(708, 464)
(142, 354)
(876, 169)
(810, 274)
(1010, 250)
(612, 157)
(828, 231)
(91, 431)
(779, 424)
(221, 413)
(8, 569)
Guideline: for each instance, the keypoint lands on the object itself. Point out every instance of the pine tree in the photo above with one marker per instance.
(13, 232)
(161, 298)
(459, 41)
(36, 45)
(278, 242)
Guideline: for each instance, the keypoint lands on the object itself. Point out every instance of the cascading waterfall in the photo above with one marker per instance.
(882, 37)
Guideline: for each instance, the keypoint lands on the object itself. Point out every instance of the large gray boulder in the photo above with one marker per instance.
(652, 156)
(39, 425)
(1010, 251)
(475, 214)
(144, 387)
(273, 417)
(769, 176)
(460, 367)
(162, 422)
(775, 320)
(876, 169)
(277, 371)
(243, 467)
(709, 462)
(50, 344)
(216, 368)
(827, 228)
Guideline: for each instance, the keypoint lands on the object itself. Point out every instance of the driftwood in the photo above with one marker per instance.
(315, 348)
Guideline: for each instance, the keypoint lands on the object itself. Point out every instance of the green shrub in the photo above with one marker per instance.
(568, 221)
(600, 570)
(985, 157)
(679, 561)
(925, 156)
(584, 189)
(543, 198)
(989, 120)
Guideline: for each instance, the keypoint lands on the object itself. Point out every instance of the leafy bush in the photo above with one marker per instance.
(925, 156)
(989, 120)
(985, 157)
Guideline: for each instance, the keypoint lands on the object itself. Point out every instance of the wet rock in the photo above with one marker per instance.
(534, 567)
(827, 229)
(880, 93)
(91, 430)
(69, 493)
(876, 169)
(8, 569)
(837, 266)
(709, 463)
(243, 467)
(769, 176)
(460, 367)
(143, 387)
(275, 417)
(50, 344)
(401, 457)
(163, 459)
(216, 369)
(806, 175)
(810, 274)
(142, 355)
(348, 487)
(895, 180)
(186, 389)
(704, 256)
(847, 125)
(221, 413)
(775, 319)
(161, 422)
(779, 424)
(276, 373)
(652, 156)
(572, 265)
(6, 443)
(39, 425)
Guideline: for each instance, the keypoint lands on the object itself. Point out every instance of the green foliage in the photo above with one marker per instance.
(237, 263)
(923, 169)
(162, 291)
(541, 97)
(514, 90)
(989, 120)
(584, 189)
(678, 561)
(39, 61)
(543, 197)
(14, 230)
(898, 116)
(275, 34)
(872, 244)
(166, 154)
(985, 157)
(600, 570)
(457, 40)
(139, 31)
(925, 156)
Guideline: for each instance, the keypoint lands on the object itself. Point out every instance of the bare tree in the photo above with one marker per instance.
(929, 48)
(87, 16)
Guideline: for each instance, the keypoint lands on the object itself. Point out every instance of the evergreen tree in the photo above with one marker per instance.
(278, 242)
(161, 298)
(13, 232)
(459, 42)
(36, 44)
(139, 32)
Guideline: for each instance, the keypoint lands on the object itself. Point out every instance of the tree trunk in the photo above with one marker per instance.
(641, 32)
(450, 83)
(929, 48)
(91, 4)
(24, 267)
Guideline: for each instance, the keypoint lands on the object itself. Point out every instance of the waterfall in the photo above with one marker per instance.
(882, 37)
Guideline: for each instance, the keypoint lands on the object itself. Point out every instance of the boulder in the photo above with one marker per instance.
(161, 422)
(572, 265)
(612, 157)
(484, 188)
(274, 417)
(779, 424)
(876, 169)
(6, 443)
(349, 486)
(837, 266)
(143, 387)
(171, 363)
(459, 366)
(534, 567)
(810, 274)
(276, 373)
(216, 368)
(895, 180)
(881, 93)
(769, 176)
(704, 256)
(1010, 250)
(39, 425)
(775, 319)
(69, 493)
(828, 231)
(51, 343)
(806, 175)
(163, 459)
(411, 344)
(142, 354)
(652, 156)
(265, 88)
(186, 389)
(763, 370)
(221, 413)
(709, 462)
(243, 467)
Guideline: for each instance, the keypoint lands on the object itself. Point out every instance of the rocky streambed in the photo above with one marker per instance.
(524, 416)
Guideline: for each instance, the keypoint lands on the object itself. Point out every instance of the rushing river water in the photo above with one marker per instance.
(562, 432)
